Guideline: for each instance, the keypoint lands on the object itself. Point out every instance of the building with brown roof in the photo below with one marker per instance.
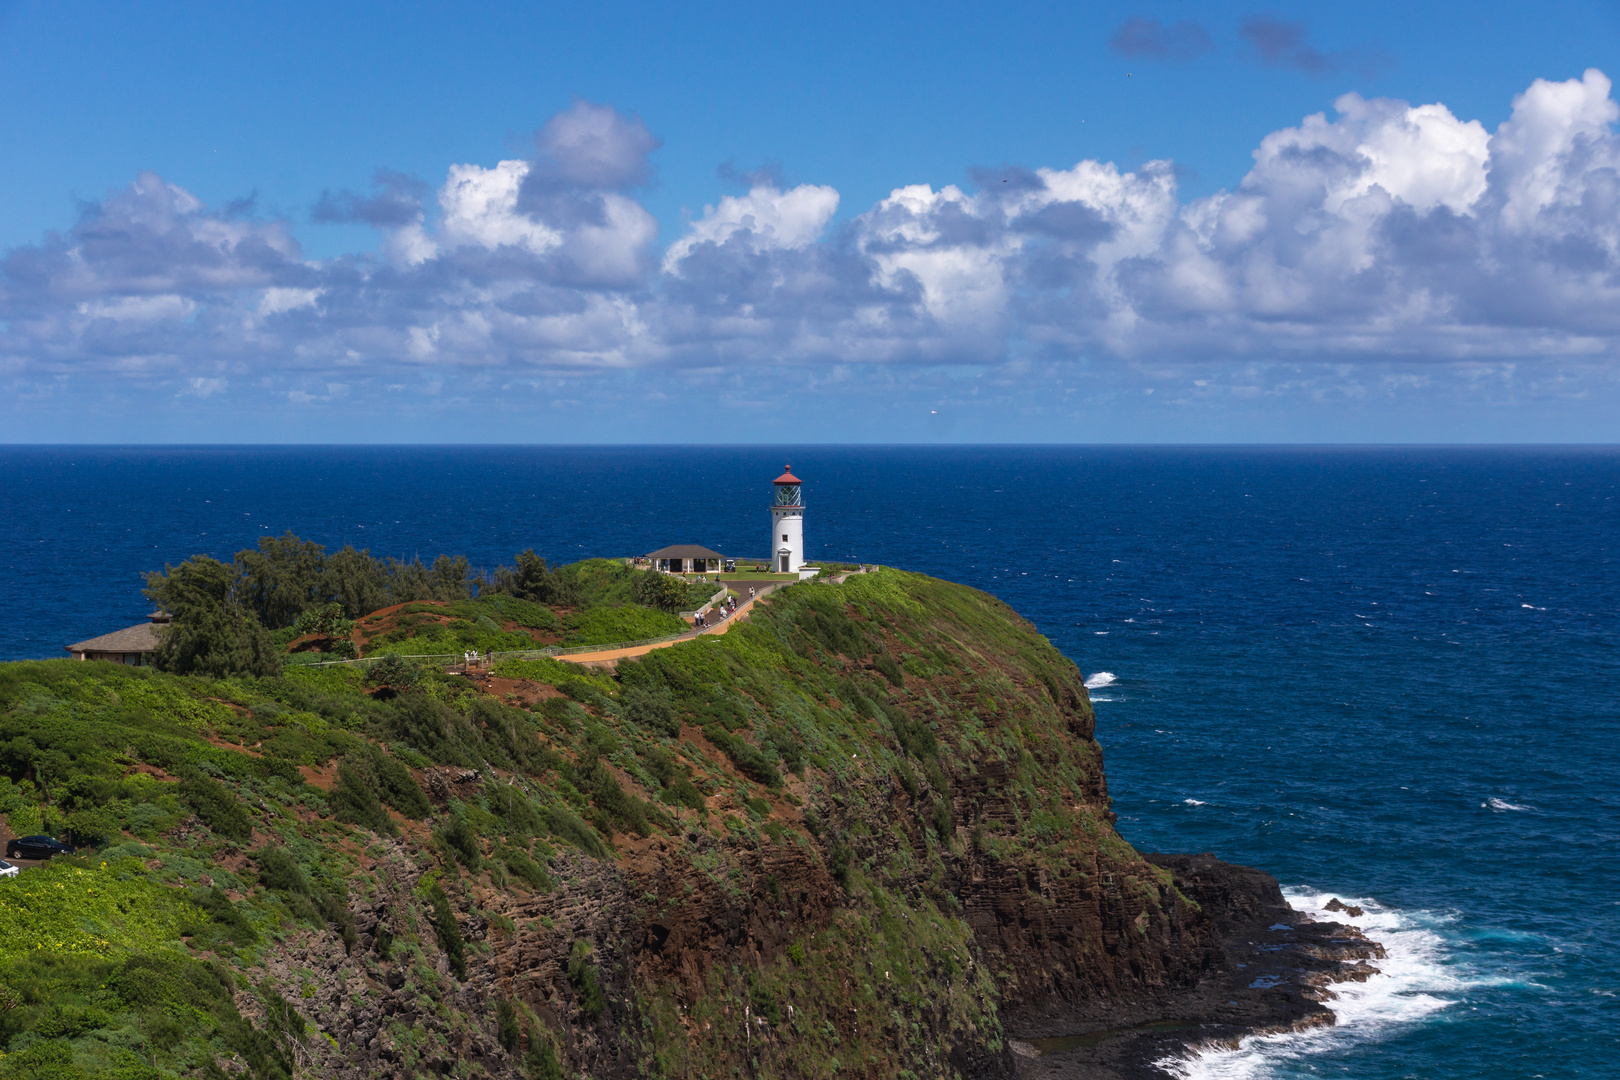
(133, 645)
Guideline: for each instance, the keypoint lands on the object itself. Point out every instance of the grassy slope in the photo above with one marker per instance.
(820, 769)
(497, 623)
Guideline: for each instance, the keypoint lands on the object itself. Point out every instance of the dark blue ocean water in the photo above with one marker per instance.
(1390, 675)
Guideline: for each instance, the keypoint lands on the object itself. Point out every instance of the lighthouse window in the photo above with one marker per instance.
(784, 538)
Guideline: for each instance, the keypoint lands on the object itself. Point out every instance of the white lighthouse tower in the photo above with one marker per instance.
(787, 524)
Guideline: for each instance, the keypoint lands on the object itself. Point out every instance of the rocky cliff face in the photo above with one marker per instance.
(866, 833)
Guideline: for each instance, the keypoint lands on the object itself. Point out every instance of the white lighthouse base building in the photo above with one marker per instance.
(787, 525)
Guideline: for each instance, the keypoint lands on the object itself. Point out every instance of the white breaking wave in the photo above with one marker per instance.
(1100, 680)
(1195, 802)
(1502, 804)
(1413, 982)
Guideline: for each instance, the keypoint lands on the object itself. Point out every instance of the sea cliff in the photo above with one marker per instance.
(865, 832)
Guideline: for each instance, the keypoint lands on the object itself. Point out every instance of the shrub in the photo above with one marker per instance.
(541, 1058)
(92, 827)
(566, 825)
(582, 973)
(915, 736)
(838, 860)
(393, 671)
(459, 837)
(354, 800)
(277, 871)
(506, 1025)
(233, 925)
(218, 807)
(682, 792)
(942, 819)
(748, 758)
(653, 710)
(526, 870)
(511, 805)
(367, 780)
(889, 669)
(657, 590)
(447, 929)
(625, 812)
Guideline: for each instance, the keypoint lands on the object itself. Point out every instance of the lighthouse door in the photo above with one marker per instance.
(784, 560)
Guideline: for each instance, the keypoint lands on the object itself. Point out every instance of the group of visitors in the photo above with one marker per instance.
(469, 658)
(726, 607)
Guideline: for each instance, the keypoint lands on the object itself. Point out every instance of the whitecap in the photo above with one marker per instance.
(1100, 680)
(1195, 802)
(1502, 804)
(1414, 981)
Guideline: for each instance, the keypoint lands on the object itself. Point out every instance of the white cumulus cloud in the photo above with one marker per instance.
(1382, 230)
(761, 220)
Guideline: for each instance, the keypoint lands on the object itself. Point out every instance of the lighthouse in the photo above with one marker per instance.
(787, 524)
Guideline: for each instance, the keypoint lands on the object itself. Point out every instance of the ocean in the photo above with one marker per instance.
(1387, 675)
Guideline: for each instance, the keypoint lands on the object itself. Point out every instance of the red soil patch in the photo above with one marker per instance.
(324, 777)
(525, 692)
(223, 744)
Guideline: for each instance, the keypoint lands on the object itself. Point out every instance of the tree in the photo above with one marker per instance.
(533, 580)
(657, 590)
(355, 580)
(452, 578)
(283, 579)
(210, 632)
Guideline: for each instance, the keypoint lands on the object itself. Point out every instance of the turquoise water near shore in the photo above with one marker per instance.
(1386, 675)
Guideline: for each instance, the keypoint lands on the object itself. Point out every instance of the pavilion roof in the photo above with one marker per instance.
(685, 551)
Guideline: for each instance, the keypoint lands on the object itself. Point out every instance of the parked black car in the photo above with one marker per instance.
(36, 847)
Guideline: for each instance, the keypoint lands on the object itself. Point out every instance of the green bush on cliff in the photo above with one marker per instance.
(745, 755)
(582, 973)
(651, 709)
(565, 825)
(462, 843)
(447, 930)
(218, 807)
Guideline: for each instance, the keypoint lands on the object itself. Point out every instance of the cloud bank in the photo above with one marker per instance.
(1386, 231)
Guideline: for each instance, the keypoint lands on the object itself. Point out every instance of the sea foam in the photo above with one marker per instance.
(1100, 680)
(1413, 983)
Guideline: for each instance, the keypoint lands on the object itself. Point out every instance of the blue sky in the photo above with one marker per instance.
(895, 222)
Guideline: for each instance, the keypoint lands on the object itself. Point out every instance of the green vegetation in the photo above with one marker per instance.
(822, 774)
(212, 633)
(621, 622)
